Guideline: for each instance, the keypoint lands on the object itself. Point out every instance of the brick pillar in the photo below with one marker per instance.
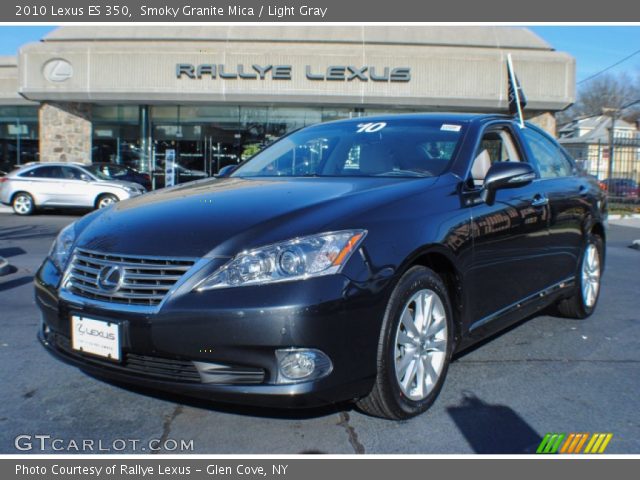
(65, 132)
(544, 120)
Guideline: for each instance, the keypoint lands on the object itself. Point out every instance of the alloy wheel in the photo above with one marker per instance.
(590, 275)
(106, 201)
(22, 204)
(421, 344)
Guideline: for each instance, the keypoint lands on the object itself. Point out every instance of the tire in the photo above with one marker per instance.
(105, 200)
(395, 395)
(23, 204)
(582, 303)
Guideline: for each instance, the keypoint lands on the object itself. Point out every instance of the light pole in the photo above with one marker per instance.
(613, 113)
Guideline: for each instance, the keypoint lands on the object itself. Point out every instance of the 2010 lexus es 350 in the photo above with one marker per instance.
(347, 261)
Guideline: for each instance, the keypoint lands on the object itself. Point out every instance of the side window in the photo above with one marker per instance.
(71, 173)
(44, 172)
(30, 173)
(497, 145)
(550, 158)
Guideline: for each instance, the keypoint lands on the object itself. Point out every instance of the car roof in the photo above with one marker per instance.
(435, 117)
(54, 164)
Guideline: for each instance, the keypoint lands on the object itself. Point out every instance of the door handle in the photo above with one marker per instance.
(540, 201)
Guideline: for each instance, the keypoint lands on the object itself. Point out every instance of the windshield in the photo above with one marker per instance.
(395, 147)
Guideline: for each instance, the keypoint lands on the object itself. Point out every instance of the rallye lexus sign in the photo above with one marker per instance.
(345, 73)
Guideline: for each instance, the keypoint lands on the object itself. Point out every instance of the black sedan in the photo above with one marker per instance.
(121, 172)
(347, 261)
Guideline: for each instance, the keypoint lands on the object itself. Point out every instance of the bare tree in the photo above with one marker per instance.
(605, 91)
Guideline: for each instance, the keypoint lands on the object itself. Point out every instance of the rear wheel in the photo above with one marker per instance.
(414, 349)
(23, 204)
(587, 290)
(105, 200)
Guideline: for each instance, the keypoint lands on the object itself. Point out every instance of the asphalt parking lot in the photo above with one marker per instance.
(546, 375)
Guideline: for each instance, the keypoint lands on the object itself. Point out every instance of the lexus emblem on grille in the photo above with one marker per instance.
(110, 278)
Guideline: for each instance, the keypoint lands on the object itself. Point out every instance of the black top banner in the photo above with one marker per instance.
(315, 11)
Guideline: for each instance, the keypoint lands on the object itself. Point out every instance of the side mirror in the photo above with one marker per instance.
(225, 171)
(506, 175)
(85, 178)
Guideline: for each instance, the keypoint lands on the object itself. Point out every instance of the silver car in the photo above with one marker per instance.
(61, 185)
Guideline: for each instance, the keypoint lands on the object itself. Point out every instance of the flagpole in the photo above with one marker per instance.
(512, 78)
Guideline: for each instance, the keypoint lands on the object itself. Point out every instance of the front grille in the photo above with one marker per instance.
(171, 369)
(146, 279)
(164, 368)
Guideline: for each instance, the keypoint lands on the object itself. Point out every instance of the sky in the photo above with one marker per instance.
(594, 47)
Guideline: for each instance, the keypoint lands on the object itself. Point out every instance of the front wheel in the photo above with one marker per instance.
(414, 348)
(106, 200)
(23, 204)
(587, 290)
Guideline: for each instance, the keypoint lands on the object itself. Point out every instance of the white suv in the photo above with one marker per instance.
(61, 185)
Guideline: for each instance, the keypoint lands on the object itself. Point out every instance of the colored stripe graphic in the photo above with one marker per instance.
(550, 443)
(598, 443)
(572, 443)
(581, 443)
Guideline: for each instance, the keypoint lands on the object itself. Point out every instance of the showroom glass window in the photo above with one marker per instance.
(206, 138)
(116, 136)
(18, 136)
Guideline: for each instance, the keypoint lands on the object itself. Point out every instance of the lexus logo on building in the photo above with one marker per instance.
(57, 70)
(110, 278)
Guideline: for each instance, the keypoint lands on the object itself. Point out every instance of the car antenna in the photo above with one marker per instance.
(517, 98)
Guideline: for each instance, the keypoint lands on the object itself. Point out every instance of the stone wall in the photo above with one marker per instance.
(544, 120)
(65, 132)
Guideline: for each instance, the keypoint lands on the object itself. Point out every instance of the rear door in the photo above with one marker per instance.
(45, 184)
(567, 194)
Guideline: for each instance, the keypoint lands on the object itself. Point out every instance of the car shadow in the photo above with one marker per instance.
(493, 429)
(25, 232)
(11, 252)
(16, 282)
(232, 408)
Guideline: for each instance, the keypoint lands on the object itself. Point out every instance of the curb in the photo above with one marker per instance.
(623, 217)
(4, 266)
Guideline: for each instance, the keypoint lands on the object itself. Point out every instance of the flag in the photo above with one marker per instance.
(517, 98)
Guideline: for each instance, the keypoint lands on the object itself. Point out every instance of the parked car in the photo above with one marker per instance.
(182, 175)
(61, 185)
(120, 172)
(622, 188)
(349, 260)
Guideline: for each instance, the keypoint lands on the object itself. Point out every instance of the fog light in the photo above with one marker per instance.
(301, 364)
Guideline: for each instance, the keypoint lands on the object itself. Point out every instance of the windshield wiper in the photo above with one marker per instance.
(403, 173)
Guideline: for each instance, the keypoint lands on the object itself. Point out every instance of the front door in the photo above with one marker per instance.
(509, 237)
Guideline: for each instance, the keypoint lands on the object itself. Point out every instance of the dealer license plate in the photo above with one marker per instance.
(95, 337)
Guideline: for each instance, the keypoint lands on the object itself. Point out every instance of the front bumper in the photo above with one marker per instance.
(238, 328)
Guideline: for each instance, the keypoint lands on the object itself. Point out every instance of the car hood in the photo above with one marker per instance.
(225, 216)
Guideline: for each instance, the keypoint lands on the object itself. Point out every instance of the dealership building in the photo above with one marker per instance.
(216, 94)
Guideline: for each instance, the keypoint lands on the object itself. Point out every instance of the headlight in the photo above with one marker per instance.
(295, 259)
(62, 246)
